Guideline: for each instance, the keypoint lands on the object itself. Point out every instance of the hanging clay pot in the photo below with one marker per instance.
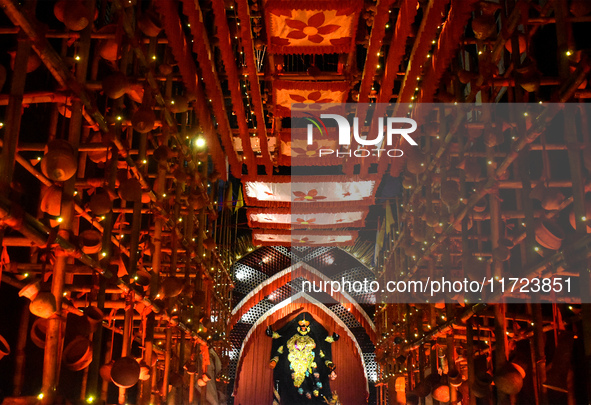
(51, 202)
(465, 76)
(38, 332)
(94, 316)
(109, 48)
(509, 379)
(143, 120)
(552, 200)
(503, 251)
(44, 305)
(130, 190)
(149, 24)
(408, 181)
(538, 192)
(432, 218)
(454, 377)
(32, 64)
(115, 85)
(178, 104)
(572, 221)
(197, 201)
(30, 291)
(493, 138)
(163, 153)
(98, 156)
(171, 287)
(165, 69)
(91, 241)
(4, 347)
(481, 386)
(59, 9)
(100, 202)
(125, 372)
(78, 354)
(441, 392)
(144, 371)
(59, 162)
(419, 232)
(209, 243)
(481, 205)
(450, 192)
(105, 371)
(549, 234)
(579, 8)
(76, 15)
(483, 26)
(522, 44)
(416, 161)
(528, 76)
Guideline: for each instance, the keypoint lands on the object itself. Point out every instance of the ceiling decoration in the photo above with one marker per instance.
(299, 217)
(311, 27)
(280, 237)
(319, 191)
(309, 94)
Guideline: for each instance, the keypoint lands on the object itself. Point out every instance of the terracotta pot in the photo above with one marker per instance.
(115, 85)
(4, 347)
(130, 190)
(579, 8)
(78, 354)
(178, 104)
(99, 156)
(455, 377)
(416, 162)
(100, 202)
(209, 244)
(408, 181)
(503, 251)
(522, 44)
(493, 138)
(91, 241)
(465, 76)
(165, 69)
(572, 221)
(552, 200)
(125, 372)
(422, 389)
(528, 76)
(149, 24)
(483, 26)
(51, 202)
(32, 64)
(472, 169)
(76, 15)
(172, 286)
(143, 120)
(59, 162)
(144, 371)
(44, 305)
(549, 234)
(481, 205)
(450, 192)
(59, 8)
(163, 153)
(190, 367)
(30, 291)
(481, 386)
(509, 379)
(197, 201)
(105, 371)
(38, 332)
(441, 393)
(108, 49)
(94, 317)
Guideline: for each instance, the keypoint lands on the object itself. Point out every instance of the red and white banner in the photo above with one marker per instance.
(297, 217)
(303, 238)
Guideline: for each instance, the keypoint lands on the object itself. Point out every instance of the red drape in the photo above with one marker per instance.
(254, 382)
